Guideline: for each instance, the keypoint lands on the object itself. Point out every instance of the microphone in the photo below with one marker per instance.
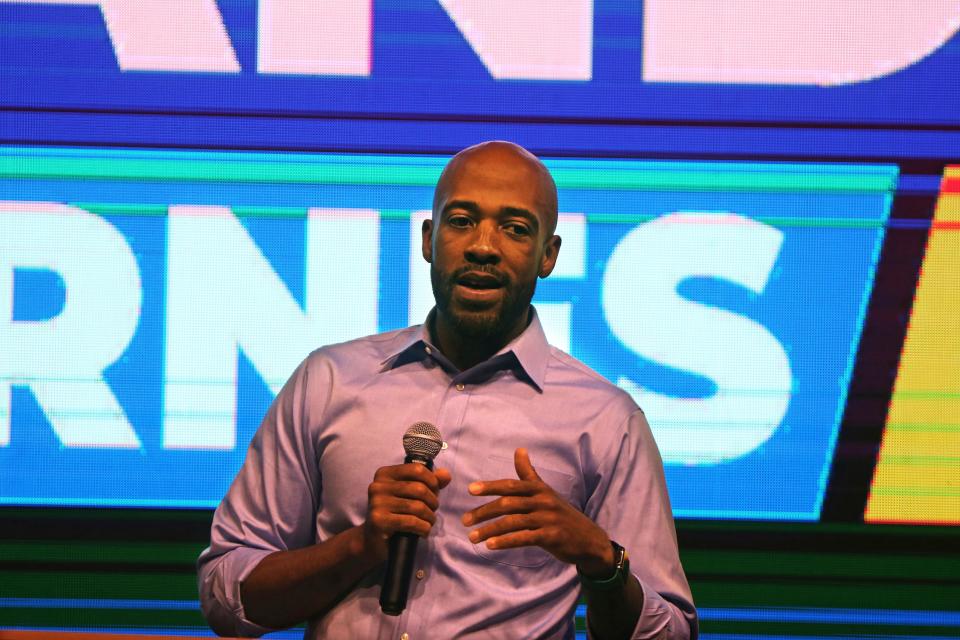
(422, 442)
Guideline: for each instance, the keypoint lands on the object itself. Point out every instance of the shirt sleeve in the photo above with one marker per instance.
(271, 506)
(631, 503)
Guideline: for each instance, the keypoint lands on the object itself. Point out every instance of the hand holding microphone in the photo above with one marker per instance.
(402, 501)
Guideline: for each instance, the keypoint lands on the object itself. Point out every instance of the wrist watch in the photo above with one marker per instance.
(620, 574)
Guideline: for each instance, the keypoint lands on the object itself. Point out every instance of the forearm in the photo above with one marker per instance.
(288, 587)
(612, 615)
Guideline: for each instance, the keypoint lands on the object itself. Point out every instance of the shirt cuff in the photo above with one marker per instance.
(220, 592)
(659, 618)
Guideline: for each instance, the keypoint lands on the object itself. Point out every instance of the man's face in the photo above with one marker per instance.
(490, 238)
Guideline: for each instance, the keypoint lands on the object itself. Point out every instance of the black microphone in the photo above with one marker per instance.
(422, 442)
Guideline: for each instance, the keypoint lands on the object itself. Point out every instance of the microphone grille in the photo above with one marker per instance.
(422, 439)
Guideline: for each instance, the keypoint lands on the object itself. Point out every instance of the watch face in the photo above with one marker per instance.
(619, 554)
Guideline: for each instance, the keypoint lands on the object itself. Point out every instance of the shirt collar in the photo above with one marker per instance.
(530, 351)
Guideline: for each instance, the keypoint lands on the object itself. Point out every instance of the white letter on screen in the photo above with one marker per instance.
(315, 37)
(223, 295)
(746, 362)
(819, 42)
(530, 39)
(61, 359)
(163, 35)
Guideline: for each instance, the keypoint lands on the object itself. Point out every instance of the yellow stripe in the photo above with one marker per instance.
(918, 472)
(932, 509)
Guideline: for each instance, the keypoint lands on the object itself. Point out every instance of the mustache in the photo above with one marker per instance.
(487, 269)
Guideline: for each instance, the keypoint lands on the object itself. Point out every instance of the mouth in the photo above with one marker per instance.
(478, 287)
(479, 280)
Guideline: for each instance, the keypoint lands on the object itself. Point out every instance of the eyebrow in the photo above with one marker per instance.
(472, 207)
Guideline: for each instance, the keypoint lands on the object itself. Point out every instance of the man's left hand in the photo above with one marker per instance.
(530, 513)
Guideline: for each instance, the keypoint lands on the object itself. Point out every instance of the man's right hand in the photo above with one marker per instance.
(402, 498)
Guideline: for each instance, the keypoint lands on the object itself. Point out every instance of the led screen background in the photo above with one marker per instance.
(838, 160)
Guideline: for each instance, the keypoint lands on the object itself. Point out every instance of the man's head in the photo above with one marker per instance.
(490, 238)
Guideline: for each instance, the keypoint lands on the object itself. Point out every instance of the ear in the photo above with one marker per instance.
(551, 249)
(427, 244)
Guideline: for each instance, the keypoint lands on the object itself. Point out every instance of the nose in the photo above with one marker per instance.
(483, 248)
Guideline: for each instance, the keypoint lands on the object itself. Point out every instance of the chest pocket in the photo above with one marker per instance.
(497, 468)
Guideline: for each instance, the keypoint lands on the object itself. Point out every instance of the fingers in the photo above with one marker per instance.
(507, 524)
(523, 538)
(443, 476)
(404, 499)
(528, 483)
(525, 470)
(406, 491)
(390, 514)
(500, 507)
(411, 472)
(502, 488)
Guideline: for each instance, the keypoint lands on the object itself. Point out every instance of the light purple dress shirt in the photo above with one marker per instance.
(343, 414)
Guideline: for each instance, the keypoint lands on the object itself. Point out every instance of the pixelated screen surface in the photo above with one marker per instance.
(734, 181)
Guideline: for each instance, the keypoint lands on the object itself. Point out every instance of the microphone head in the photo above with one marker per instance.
(422, 440)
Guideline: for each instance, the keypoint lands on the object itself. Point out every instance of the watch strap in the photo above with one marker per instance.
(620, 573)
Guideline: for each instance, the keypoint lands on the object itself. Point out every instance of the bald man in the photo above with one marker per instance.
(551, 485)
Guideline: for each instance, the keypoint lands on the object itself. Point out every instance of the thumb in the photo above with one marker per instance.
(443, 476)
(525, 470)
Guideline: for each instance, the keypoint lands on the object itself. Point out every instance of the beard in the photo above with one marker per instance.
(482, 323)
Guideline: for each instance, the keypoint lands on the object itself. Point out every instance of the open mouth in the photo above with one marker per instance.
(478, 289)
(479, 280)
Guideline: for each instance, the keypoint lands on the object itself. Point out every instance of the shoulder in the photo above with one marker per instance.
(567, 375)
(378, 346)
(360, 357)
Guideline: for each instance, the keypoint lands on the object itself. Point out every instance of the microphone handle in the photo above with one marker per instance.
(401, 552)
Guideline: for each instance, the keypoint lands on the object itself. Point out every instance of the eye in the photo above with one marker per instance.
(517, 229)
(459, 221)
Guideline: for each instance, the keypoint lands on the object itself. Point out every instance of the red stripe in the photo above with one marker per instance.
(945, 225)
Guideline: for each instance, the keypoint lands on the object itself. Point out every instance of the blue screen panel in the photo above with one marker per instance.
(820, 61)
(160, 298)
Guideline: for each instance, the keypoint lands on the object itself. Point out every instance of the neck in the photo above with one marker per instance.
(466, 351)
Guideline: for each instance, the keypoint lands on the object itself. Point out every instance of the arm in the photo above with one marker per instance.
(287, 587)
(629, 504)
(264, 568)
(529, 513)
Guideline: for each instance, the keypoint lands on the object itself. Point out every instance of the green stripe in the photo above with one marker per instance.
(83, 584)
(881, 595)
(133, 618)
(391, 171)
(719, 180)
(216, 171)
(923, 427)
(141, 553)
(125, 209)
(924, 393)
(733, 565)
(817, 630)
(911, 460)
(914, 492)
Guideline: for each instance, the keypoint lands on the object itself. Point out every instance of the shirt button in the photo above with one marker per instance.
(428, 350)
(421, 574)
(460, 387)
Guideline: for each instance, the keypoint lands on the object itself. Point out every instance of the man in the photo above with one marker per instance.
(551, 482)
